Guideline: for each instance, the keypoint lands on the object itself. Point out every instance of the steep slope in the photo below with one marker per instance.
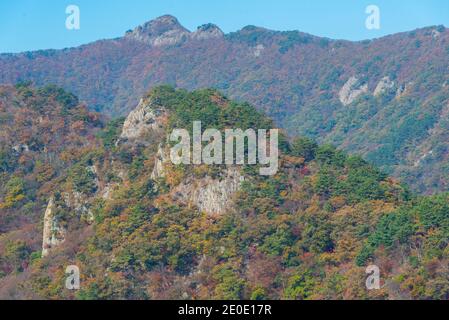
(158, 230)
(385, 98)
(43, 133)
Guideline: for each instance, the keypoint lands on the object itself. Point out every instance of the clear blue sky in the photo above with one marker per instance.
(40, 24)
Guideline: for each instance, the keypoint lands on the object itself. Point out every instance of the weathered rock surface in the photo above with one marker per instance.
(147, 117)
(54, 233)
(166, 30)
(350, 92)
(161, 158)
(384, 84)
(257, 50)
(207, 31)
(212, 196)
(20, 148)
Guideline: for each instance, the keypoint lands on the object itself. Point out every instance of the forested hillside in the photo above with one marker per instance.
(139, 227)
(386, 99)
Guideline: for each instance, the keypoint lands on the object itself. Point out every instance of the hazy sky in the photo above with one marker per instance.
(40, 24)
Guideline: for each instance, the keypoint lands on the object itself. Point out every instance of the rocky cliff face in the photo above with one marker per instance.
(147, 118)
(384, 84)
(54, 234)
(166, 30)
(159, 161)
(212, 196)
(350, 91)
(207, 31)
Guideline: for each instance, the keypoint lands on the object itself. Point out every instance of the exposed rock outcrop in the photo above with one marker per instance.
(350, 91)
(106, 193)
(436, 34)
(207, 31)
(54, 233)
(212, 196)
(20, 148)
(146, 118)
(422, 158)
(257, 51)
(384, 84)
(161, 158)
(166, 30)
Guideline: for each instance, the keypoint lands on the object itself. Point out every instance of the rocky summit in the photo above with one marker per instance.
(167, 30)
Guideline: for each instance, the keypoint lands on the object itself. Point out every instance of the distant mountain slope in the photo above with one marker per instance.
(387, 99)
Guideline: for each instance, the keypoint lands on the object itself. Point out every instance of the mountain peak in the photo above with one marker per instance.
(163, 30)
(166, 30)
(166, 18)
(163, 24)
(207, 31)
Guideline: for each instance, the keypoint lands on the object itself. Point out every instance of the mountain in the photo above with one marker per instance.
(42, 133)
(77, 189)
(386, 99)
